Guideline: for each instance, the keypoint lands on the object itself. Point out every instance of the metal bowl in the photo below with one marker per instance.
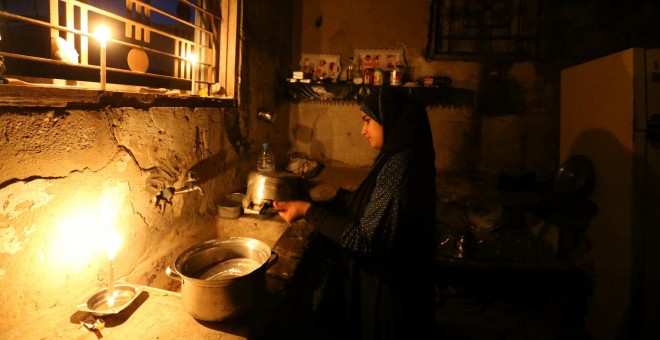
(231, 206)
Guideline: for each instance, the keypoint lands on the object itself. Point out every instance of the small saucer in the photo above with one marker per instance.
(97, 303)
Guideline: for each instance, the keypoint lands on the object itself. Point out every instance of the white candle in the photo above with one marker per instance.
(111, 279)
(110, 239)
(193, 76)
(193, 63)
(103, 65)
(102, 34)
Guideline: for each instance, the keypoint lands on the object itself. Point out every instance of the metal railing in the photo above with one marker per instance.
(148, 46)
(473, 28)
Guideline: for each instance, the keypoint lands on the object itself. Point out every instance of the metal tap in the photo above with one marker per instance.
(190, 186)
(168, 193)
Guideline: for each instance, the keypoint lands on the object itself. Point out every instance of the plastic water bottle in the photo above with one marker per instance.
(266, 159)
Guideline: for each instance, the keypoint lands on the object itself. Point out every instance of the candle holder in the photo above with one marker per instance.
(97, 303)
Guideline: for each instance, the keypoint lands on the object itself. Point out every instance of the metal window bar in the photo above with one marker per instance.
(482, 27)
(72, 21)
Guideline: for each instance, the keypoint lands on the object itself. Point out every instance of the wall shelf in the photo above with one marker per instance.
(333, 92)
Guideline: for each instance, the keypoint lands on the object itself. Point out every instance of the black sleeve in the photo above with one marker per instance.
(330, 224)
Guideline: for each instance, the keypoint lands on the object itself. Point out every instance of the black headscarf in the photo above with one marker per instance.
(405, 127)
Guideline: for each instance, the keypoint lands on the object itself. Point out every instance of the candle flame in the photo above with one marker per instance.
(113, 242)
(192, 58)
(87, 227)
(110, 207)
(111, 301)
(102, 33)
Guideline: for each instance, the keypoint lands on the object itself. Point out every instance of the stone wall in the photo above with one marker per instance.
(70, 178)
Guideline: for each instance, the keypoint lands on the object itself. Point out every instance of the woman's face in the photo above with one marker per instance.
(372, 131)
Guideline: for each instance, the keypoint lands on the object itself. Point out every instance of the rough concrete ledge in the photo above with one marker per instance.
(53, 96)
(266, 230)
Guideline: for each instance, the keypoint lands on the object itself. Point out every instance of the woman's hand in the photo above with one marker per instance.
(292, 210)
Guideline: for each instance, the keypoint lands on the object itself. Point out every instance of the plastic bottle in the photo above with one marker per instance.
(266, 159)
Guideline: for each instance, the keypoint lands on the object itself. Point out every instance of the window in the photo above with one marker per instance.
(474, 28)
(185, 45)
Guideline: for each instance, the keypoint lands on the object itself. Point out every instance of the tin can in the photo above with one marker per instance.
(368, 76)
(396, 78)
(378, 77)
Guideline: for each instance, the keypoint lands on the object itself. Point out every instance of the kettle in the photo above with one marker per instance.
(264, 188)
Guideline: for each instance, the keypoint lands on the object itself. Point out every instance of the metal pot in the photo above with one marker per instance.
(221, 279)
(274, 186)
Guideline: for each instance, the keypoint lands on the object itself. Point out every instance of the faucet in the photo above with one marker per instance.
(190, 187)
(168, 193)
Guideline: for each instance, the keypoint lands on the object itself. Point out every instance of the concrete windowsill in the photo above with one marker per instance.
(27, 95)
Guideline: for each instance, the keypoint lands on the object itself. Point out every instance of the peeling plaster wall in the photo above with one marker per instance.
(67, 177)
(58, 170)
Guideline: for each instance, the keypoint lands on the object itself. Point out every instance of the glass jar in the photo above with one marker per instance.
(378, 77)
(357, 78)
(350, 70)
(368, 76)
(396, 78)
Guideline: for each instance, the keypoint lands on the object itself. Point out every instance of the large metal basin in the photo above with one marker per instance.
(221, 279)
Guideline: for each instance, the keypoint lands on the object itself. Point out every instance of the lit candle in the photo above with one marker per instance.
(193, 60)
(103, 33)
(103, 66)
(113, 244)
(111, 279)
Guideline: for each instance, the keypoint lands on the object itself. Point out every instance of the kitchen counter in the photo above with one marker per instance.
(154, 314)
(159, 314)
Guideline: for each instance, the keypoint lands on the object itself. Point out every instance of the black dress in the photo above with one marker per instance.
(384, 264)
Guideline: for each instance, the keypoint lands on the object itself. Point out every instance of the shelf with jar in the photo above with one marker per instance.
(440, 93)
(321, 78)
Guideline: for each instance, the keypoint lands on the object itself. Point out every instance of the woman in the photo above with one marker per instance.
(387, 226)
